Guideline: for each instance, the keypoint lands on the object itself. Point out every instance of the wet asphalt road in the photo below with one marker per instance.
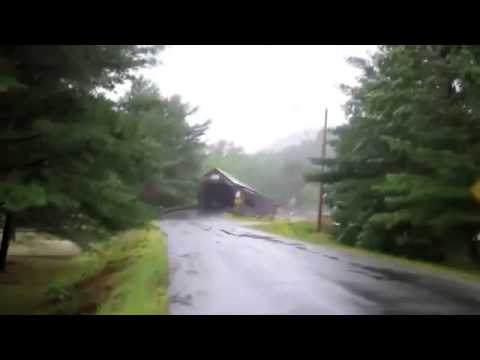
(218, 266)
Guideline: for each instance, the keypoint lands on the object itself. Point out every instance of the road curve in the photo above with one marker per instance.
(218, 266)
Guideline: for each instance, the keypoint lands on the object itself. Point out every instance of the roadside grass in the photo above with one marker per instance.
(458, 267)
(140, 284)
(125, 275)
(249, 218)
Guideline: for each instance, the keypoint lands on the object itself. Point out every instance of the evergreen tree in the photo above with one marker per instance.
(171, 146)
(68, 161)
(408, 158)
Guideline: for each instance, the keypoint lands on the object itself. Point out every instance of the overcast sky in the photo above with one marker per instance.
(258, 94)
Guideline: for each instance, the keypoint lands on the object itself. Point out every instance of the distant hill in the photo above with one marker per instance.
(307, 135)
(293, 139)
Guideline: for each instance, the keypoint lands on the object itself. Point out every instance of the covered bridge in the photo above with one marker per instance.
(221, 191)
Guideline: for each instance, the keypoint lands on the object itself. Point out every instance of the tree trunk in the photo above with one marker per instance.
(473, 249)
(8, 234)
(438, 250)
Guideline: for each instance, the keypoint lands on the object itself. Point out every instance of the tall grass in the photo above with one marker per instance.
(140, 284)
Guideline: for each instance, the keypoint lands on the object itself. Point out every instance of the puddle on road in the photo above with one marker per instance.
(262, 237)
(252, 236)
(272, 240)
(185, 300)
(420, 297)
(382, 273)
(200, 225)
(378, 277)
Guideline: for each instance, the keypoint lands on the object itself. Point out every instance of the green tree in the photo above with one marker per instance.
(225, 155)
(409, 155)
(68, 161)
(172, 146)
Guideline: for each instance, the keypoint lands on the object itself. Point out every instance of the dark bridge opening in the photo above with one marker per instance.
(220, 191)
(216, 196)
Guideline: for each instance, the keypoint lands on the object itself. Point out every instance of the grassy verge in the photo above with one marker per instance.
(140, 284)
(126, 275)
(249, 218)
(305, 231)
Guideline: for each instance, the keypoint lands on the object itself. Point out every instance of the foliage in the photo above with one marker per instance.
(64, 153)
(171, 147)
(74, 162)
(58, 294)
(409, 155)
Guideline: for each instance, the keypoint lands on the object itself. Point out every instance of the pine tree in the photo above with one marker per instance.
(171, 146)
(68, 162)
(408, 158)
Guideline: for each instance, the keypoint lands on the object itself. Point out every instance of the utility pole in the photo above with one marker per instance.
(324, 150)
